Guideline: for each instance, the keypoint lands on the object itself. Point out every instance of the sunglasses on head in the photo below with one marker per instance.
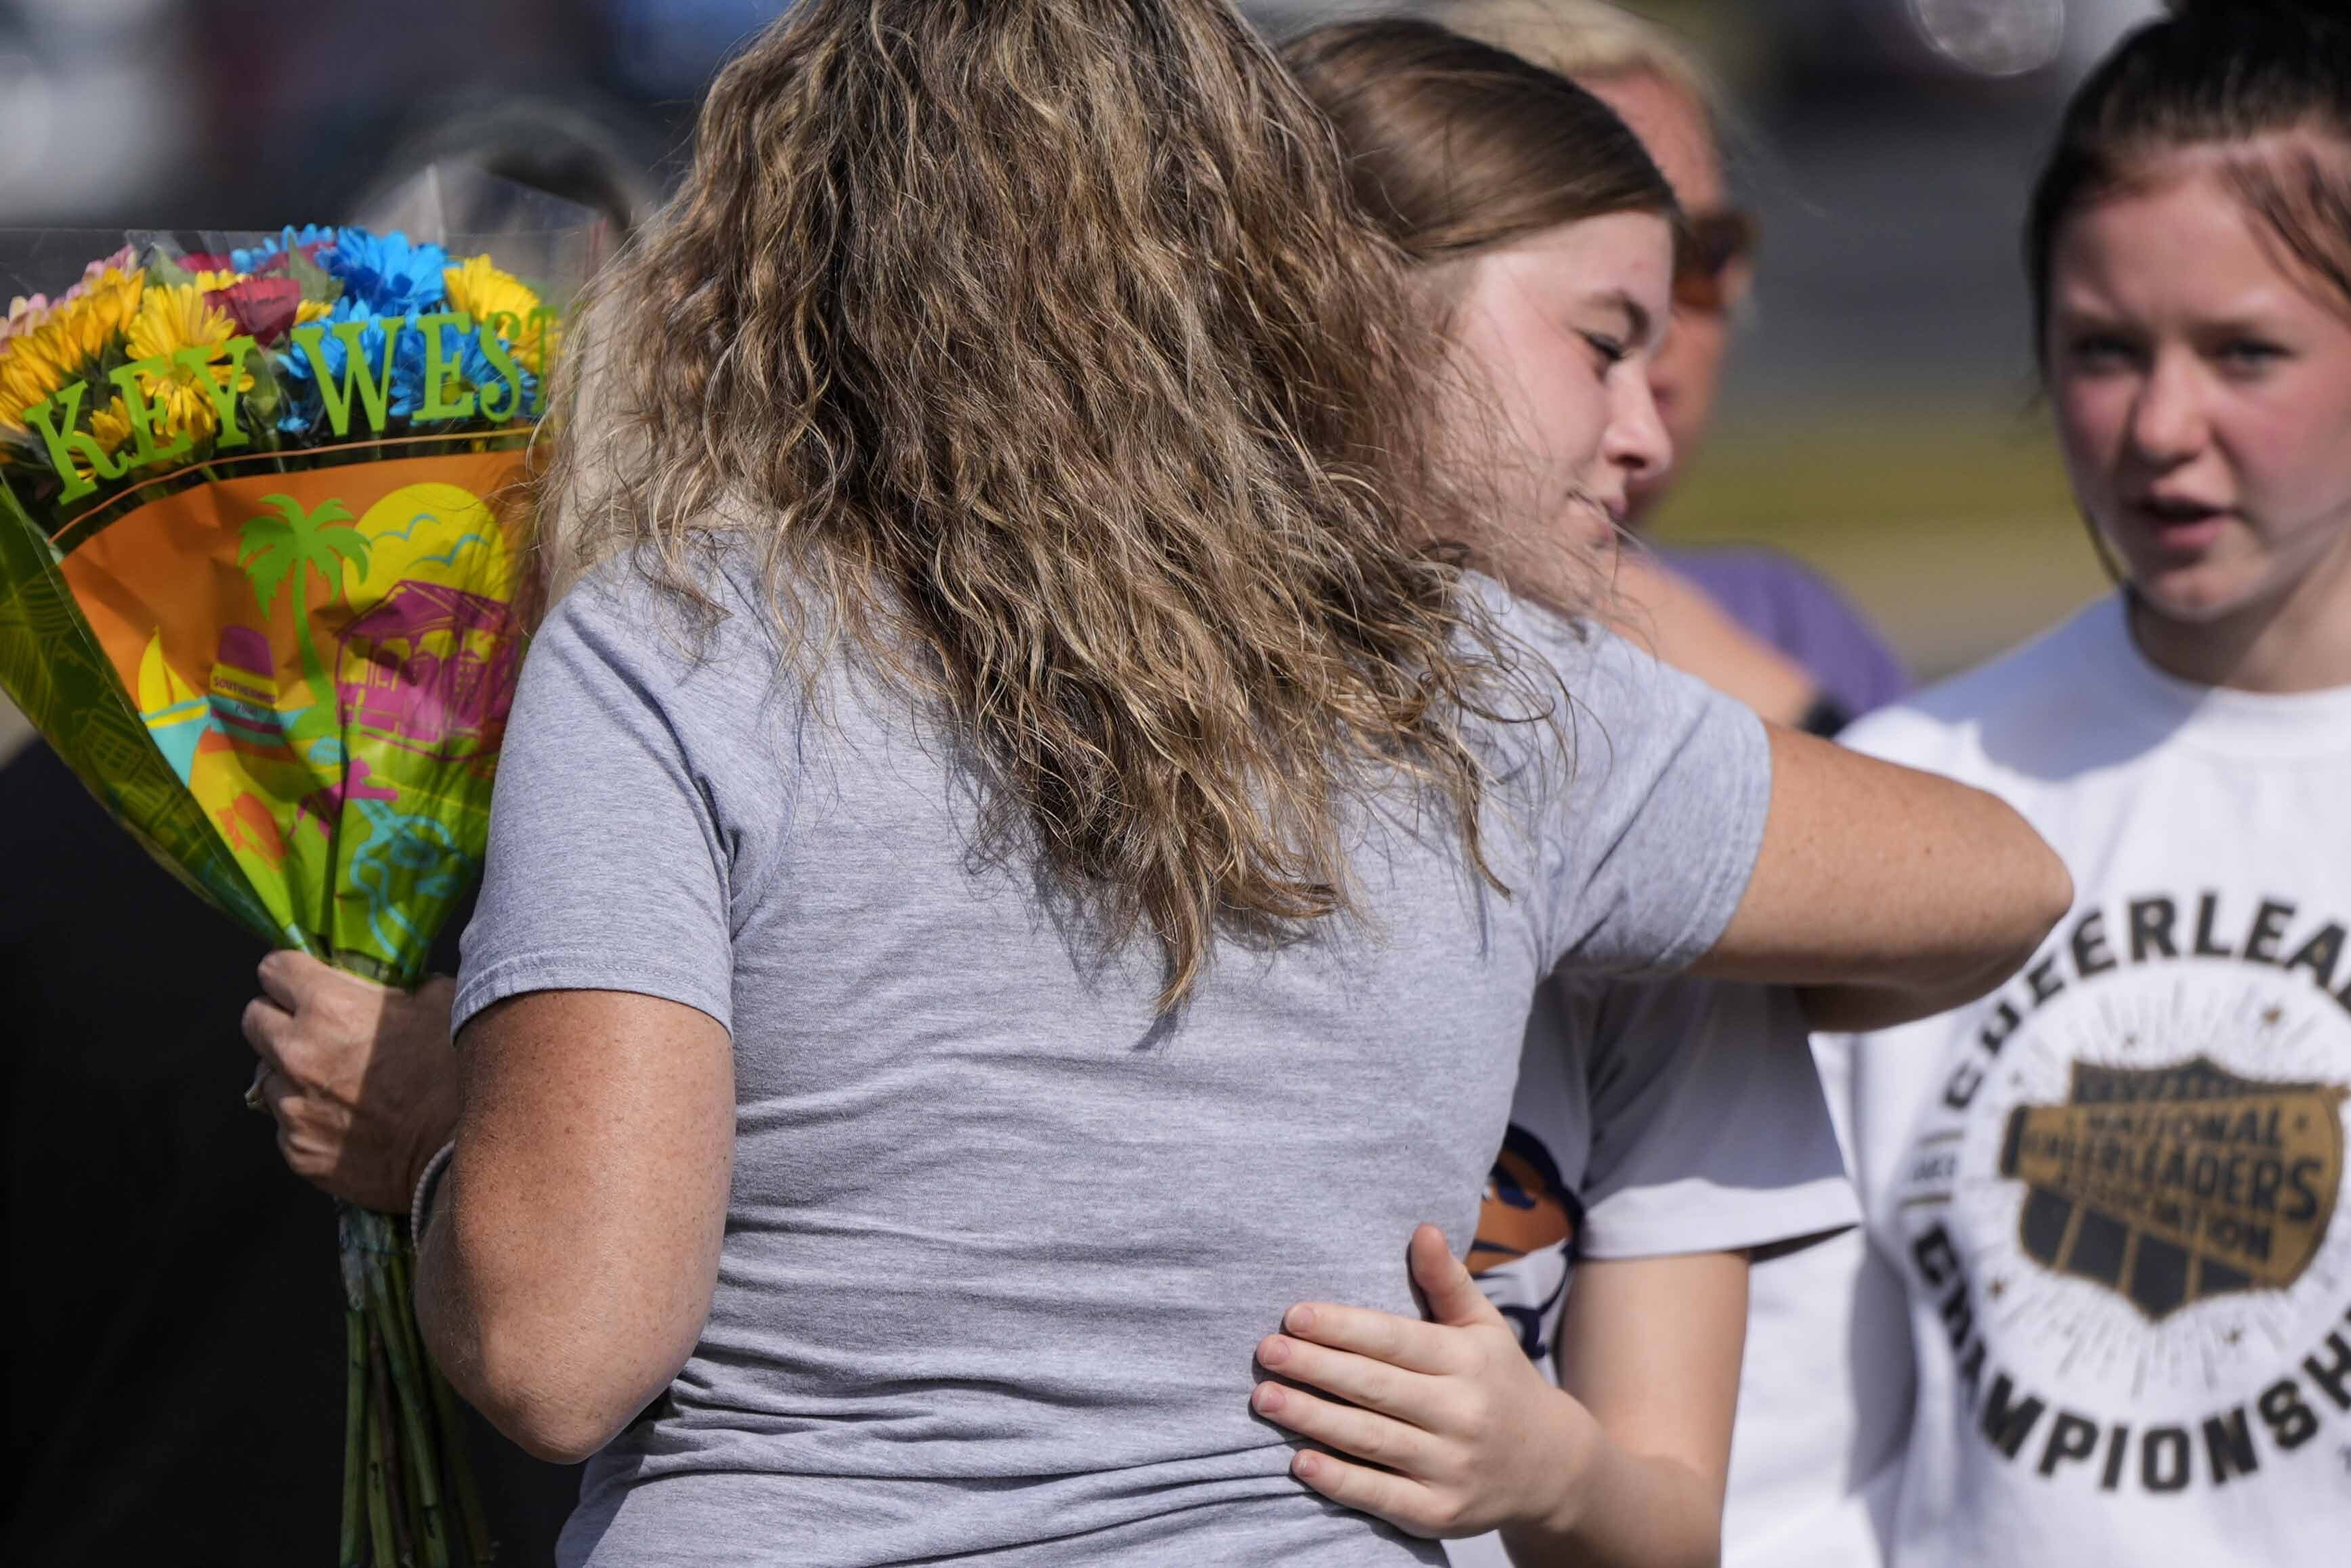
(1712, 244)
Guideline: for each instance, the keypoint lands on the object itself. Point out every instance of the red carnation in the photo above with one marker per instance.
(206, 261)
(263, 306)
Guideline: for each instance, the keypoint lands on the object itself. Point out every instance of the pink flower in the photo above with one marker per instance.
(120, 261)
(25, 313)
(29, 311)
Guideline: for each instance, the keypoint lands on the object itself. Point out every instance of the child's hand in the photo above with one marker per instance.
(1463, 1433)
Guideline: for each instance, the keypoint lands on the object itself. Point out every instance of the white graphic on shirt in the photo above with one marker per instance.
(1527, 1226)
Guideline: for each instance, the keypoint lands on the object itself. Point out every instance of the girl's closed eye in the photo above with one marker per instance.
(1608, 351)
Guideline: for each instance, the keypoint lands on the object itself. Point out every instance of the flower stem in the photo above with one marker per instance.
(481, 1550)
(418, 1468)
(378, 1501)
(354, 1433)
(455, 1456)
(399, 1489)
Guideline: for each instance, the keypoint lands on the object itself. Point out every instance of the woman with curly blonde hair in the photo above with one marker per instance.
(1023, 854)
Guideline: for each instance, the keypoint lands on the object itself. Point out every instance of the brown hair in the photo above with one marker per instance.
(2220, 74)
(1456, 146)
(1039, 343)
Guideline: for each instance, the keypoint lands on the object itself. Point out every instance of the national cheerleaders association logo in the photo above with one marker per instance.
(2172, 1184)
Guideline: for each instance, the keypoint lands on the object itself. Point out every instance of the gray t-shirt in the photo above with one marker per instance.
(1001, 1244)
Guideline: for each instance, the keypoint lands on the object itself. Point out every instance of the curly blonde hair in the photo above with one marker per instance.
(1040, 342)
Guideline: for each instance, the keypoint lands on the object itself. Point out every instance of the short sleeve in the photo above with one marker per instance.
(609, 868)
(1652, 809)
(1710, 1130)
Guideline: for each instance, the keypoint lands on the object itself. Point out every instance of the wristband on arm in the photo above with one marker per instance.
(420, 1207)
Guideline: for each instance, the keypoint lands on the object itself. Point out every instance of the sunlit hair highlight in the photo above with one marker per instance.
(1038, 343)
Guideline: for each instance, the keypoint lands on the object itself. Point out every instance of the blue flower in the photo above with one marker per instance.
(254, 258)
(304, 405)
(464, 352)
(385, 272)
(408, 366)
(492, 386)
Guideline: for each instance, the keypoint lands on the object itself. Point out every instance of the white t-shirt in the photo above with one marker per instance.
(1814, 1465)
(2108, 1194)
(1650, 1119)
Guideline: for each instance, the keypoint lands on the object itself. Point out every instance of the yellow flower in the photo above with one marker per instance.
(101, 313)
(311, 311)
(174, 317)
(478, 288)
(110, 426)
(207, 281)
(65, 345)
(33, 367)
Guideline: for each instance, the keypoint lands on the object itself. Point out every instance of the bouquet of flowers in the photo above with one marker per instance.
(259, 562)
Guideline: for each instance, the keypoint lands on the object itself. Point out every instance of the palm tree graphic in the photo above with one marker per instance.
(276, 550)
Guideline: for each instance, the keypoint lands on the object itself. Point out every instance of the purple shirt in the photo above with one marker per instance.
(1799, 612)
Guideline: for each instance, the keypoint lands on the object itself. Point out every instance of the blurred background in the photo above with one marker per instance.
(1880, 421)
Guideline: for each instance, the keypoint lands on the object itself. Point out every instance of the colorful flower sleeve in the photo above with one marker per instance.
(261, 541)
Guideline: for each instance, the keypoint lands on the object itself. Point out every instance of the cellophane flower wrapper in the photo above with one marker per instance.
(261, 545)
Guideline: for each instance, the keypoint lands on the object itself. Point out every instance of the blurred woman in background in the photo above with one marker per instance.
(2105, 1204)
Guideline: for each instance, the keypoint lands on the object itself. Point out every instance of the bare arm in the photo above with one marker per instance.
(1649, 1348)
(567, 1269)
(1885, 893)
